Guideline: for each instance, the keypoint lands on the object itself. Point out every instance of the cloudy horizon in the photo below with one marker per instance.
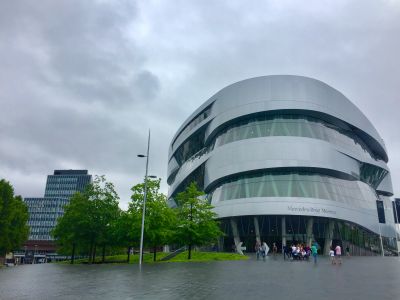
(81, 82)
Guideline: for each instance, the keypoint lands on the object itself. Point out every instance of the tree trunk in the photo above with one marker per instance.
(155, 253)
(190, 237)
(129, 254)
(73, 254)
(103, 258)
(94, 253)
(2, 258)
(90, 252)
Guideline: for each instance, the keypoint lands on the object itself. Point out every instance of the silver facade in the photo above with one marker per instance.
(284, 145)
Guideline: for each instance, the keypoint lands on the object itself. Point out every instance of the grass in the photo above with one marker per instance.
(197, 256)
(121, 259)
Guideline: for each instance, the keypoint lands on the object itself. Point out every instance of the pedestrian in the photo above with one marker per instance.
(285, 252)
(257, 248)
(347, 251)
(293, 252)
(332, 256)
(314, 252)
(338, 253)
(264, 250)
(274, 250)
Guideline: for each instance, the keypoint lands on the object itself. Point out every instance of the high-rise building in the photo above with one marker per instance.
(64, 183)
(44, 211)
(287, 159)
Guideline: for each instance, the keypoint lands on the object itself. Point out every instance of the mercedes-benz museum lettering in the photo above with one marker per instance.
(287, 159)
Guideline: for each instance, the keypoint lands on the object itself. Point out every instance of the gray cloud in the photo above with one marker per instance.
(82, 81)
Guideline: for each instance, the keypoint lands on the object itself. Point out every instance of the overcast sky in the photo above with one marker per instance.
(82, 81)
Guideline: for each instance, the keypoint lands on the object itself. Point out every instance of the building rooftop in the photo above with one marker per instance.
(70, 172)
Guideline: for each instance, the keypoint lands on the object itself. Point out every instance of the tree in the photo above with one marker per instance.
(14, 216)
(89, 219)
(197, 223)
(70, 232)
(127, 231)
(160, 220)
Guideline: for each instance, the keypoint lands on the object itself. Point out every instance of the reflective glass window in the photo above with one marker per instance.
(292, 125)
(296, 184)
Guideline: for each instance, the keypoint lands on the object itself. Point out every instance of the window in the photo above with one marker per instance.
(381, 211)
(292, 125)
(296, 184)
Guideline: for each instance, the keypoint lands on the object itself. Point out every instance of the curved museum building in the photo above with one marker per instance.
(287, 159)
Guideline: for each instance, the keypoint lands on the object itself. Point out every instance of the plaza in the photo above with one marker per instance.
(356, 278)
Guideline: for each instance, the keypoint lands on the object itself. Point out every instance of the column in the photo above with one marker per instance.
(328, 237)
(236, 237)
(310, 224)
(257, 229)
(283, 225)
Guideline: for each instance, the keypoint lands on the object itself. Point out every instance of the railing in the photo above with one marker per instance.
(173, 254)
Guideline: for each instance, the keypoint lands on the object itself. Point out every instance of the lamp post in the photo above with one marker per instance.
(144, 199)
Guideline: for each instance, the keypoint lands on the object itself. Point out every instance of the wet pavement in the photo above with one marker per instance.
(357, 278)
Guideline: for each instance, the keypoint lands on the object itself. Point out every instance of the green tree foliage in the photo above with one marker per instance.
(127, 230)
(196, 220)
(160, 220)
(14, 230)
(89, 219)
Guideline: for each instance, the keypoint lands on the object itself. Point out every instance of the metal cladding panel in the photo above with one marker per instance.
(172, 166)
(290, 92)
(182, 138)
(276, 152)
(297, 95)
(297, 206)
(185, 171)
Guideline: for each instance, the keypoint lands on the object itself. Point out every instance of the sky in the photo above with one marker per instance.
(82, 82)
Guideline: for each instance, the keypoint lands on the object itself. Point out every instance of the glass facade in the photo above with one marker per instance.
(381, 211)
(43, 215)
(360, 241)
(197, 120)
(372, 175)
(65, 184)
(296, 184)
(190, 147)
(284, 125)
(396, 210)
(292, 125)
(44, 212)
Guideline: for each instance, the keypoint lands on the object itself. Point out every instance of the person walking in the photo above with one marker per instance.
(338, 253)
(314, 252)
(264, 250)
(332, 256)
(347, 251)
(274, 250)
(257, 248)
(285, 251)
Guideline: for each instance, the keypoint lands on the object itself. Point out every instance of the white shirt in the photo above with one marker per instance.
(331, 253)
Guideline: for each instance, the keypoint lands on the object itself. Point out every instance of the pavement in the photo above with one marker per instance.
(357, 278)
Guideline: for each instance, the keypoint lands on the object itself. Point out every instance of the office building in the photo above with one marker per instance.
(44, 211)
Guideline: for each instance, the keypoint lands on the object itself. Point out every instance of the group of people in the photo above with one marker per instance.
(336, 254)
(299, 252)
(262, 250)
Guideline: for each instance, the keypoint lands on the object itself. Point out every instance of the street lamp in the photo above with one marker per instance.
(144, 199)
